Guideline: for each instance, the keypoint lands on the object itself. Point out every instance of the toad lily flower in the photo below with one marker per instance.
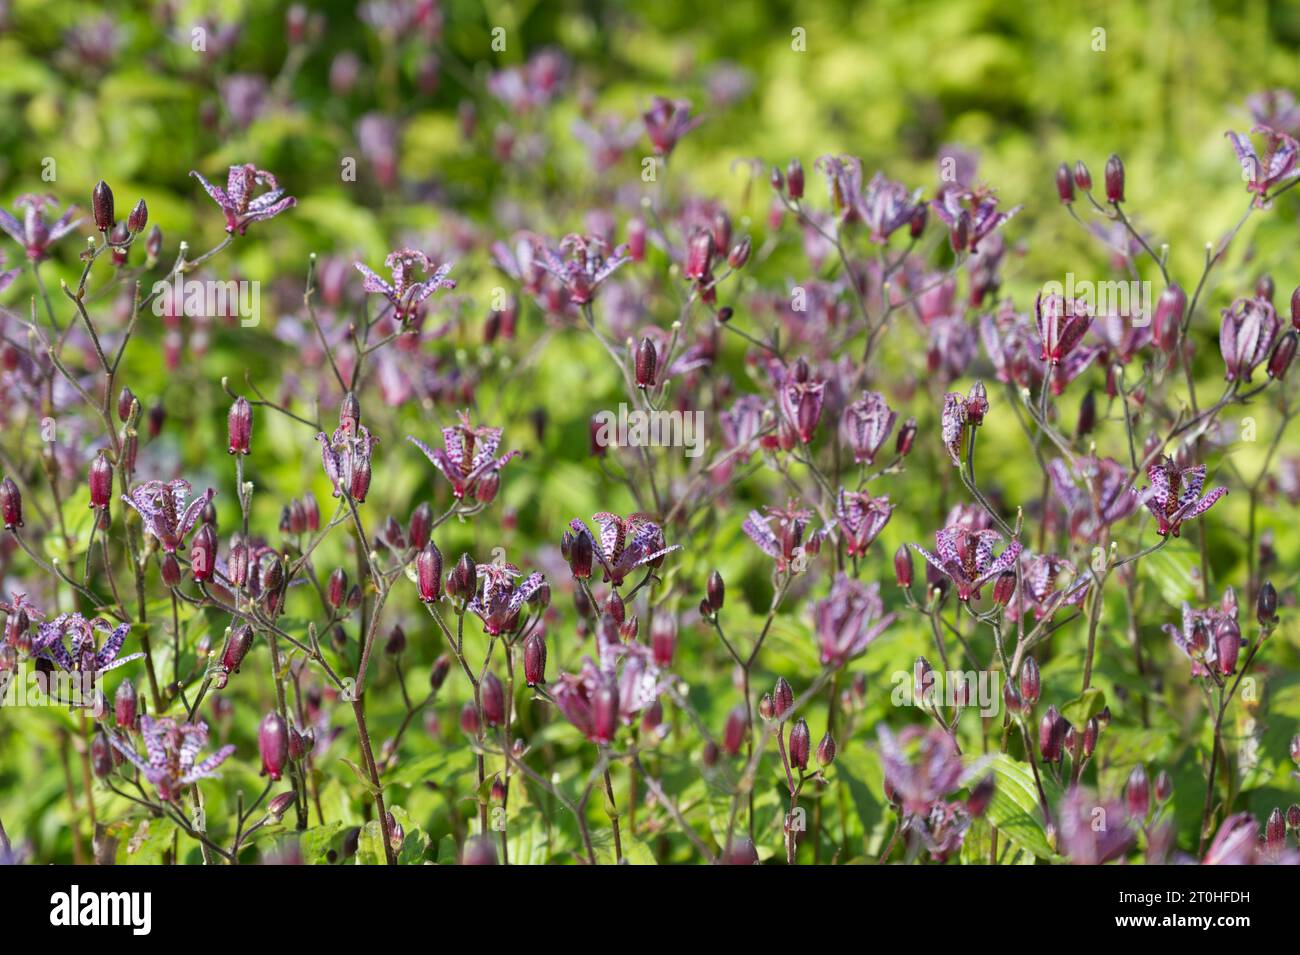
(242, 209)
(468, 457)
(1061, 325)
(1041, 595)
(346, 458)
(500, 600)
(1246, 336)
(404, 294)
(1082, 840)
(1175, 494)
(862, 518)
(80, 655)
(786, 545)
(597, 698)
(1276, 166)
(981, 208)
(161, 505)
(849, 619)
(586, 266)
(1210, 638)
(960, 413)
(667, 121)
(34, 234)
(625, 544)
(800, 398)
(866, 426)
(1103, 500)
(966, 557)
(171, 749)
(918, 780)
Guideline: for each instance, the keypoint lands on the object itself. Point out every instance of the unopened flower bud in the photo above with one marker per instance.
(203, 554)
(101, 204)
(734, 734)
(1114, 179)
(782, 697)
(101, 482)
(1164, 786)
(1283, 355)
(1030, 681)
(800, 744)
(396, 642)
(238, 642)
(604, 711)
(716, 591)
(738, 257)
(647, 360)
(438, 672)
(469, 723)
(138, 218)
(273, 744)
(1266, 605)
(125, 706)
(1082, 178)
(1137, 793)
(906, 435)
(1004, 588)
(903, 566)
(535, 659)
(580, 556)
(101, 756)
(420, 526)
(794, 179)
(462, 582)
(428, 572)
(1275, 830)
(766, 707)
(981, 794)
(1064, 183)
(826, 750)
(11, 504)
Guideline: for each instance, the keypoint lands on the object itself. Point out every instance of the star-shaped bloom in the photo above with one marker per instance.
(849, 619)
(1104, 499)
(1061, 325)
(171, 753)
(1039, 576)
(468, 456)
(33, 233)
(499, 601)
(1276, 166)
(581, 265)
(1082, 840)
(667, 121)
(346, 457)
(862, 518)
(625, 543)
(403, 293)
(966, 557)
(921, 767)
(786, 545)
(237, 201)
(1211, 638)
(1174, 495)
(78, 654)
(981, 208)
(800, 397)
(161, 505)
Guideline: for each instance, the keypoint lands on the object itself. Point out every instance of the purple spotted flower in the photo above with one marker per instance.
(1174, 495)
(1039, 576)
(786, 544)
(171, 753)
(79, 654)
(800, 397)
(966, 557)
(581, 265)
(861, 517)
(403, 293)
(237, 201)
(1277, 164)
(981, 208)
(33, 233)
(346, 456)
(849, 619)
(866, 426)
(921, 767)
(1061, 325)
(161, 505)
(7, 276)
(667, 121)
(625, 543)
(1093, 831)
(885, 206)
(1246, 336)
(959, 414)
(500, 599)
(1103, 499)
(1210, 638)
(468, 458)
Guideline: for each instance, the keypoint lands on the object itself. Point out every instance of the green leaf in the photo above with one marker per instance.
(1014, 808)
(1084, 707)
(316, 842)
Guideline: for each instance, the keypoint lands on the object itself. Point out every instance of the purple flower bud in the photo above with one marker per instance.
(138, 218)
(396, 642)
(1275, 830)
(646, 361)
(101, 756)
(101, 482)
(237, 565)
(124, 706)
(699, 255)
(960, 233)
(826, 750)
(738, 257)
(1227, 644)
(1004, 588)
(782, 697)
(493, 700)
(1087, 415)
(740, 852)
(171, 570)
(778, 179)
(273, 744)
(239, 426)
(153, 243)
(101, 204)
(1283, 354)
(1031, 684)
(977, 803)
(794, 178)
(734, 734)
(1114, 179)
(421, 525)
(1011, 699)
(604, 711)
(716, 591)
(428, 572)
(337, 589)
(916, 223)
(1266, 605)
(203, 554)
(1168, 319)
(350, 413)
(438, 672)
(1064, 183)
(238, 642)
(1091, 730)
(1051, 732)
(1082, 178)
(1164, 786)
(469, 723)
(535, 659)
(1293, 816)
(485, 490)
(11, 504)
(462, 582)
(580, 556)
(1137, 793)
(800, 743)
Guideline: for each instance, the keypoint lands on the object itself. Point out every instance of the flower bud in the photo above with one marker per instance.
(1266, 605)
(1091, 730)
(1295, 308)
(1275, 830)
(699, 255)
(1082, 178)
(239, 426)
(960, 235)
(794, 179)
(646, 361)
(580, 555)
(101, 482)
(153, 243)
(1051, 732)
(1030, 681)
(1064, 183)
(493, 698)
(273, 743)
(916, 222)
(903, 566)
(11, 504)
(1164, 786)
(740, 852)
(469, 723)
(800, 743)
(738, 257)
(138, 218)
(716, 591)
(1293, 816)
(1004, 588)
(428, 572)
(479, 851)
(396, 642)
(203, 554)
(237, 565)
(906, 435)
(171, 570)
(101, 756)
(1087, 415)
(1114, 179)
(535, 659)
(782, 697)
(766, 707)
(604, 711)
(279, 805)
(337, 589)
(101, 204)
(462, 582)
(981, 794)
(663, 639)
(125, 707)
(420, 526)
(1283, 355)
(778, 179)
(734, 734)
(1137, 793)
(350, 413)
(826, 750)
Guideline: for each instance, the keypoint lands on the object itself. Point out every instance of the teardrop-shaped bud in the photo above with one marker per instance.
(782, 697)
(428, 572)
(716, 591)
(138, 218)
(794, 179)
(800, 744)
(203, 554)
(337, 589)
(1030, 681)
(493, 700)
(1064, 183)
(977, 803)
(462, 582)
(1114, 179)
(581, 553)
(535, 659)
(420, 526)
(1164, 786)
(101, 204)
(101, 482)
(1266, 605)
(1082, 178)
(733, 737)
(647, 360)
(826, 750)
(273, 744)
(1137, 793)
(11, 504)
(604, 711)
(125, 706)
